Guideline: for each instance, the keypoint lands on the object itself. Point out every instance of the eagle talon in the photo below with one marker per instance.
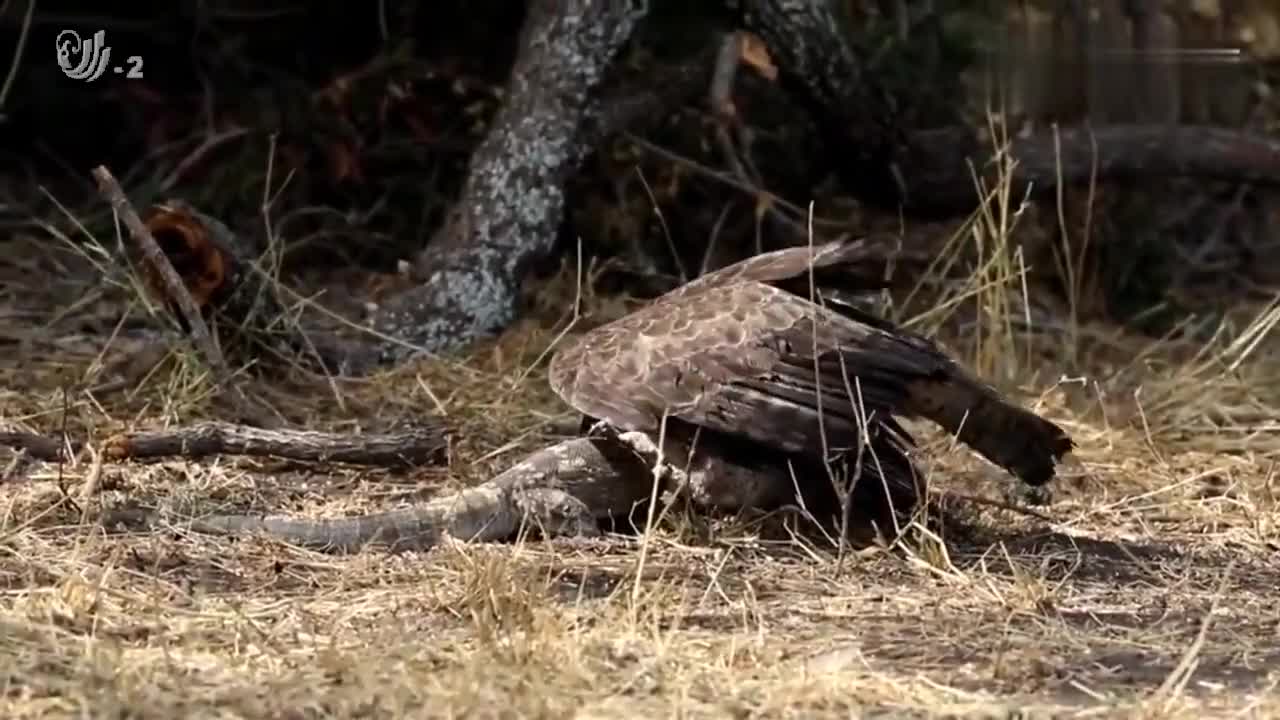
(603, 429)
(1031, 495)
(642, 444)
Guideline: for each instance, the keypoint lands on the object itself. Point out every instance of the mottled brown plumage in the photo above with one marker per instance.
(737, 351)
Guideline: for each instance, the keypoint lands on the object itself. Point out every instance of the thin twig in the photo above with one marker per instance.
(17, 55)
(991, 502)
(110, 189)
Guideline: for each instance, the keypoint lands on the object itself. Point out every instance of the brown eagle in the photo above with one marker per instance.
(745, 354)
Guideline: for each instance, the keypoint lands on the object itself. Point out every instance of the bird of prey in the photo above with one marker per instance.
(771, 352)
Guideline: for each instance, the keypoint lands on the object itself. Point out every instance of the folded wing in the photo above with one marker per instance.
(739, 355)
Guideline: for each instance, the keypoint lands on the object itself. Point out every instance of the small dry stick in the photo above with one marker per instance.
(409, 447)
(151, 252)
(110, 189)
(720, 97)
(991, 502)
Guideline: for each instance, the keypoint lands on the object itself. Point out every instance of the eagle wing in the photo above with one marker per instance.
(860, 264)
(739, 358)
(743, 351)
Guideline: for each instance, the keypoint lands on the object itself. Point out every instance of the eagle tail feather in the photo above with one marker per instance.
(1017, 439)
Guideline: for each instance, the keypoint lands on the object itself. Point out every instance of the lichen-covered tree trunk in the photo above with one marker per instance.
(512, 202)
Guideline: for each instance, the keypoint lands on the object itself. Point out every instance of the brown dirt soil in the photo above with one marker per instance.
(1149, 591)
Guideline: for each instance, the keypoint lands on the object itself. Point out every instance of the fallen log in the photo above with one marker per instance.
(937, 167)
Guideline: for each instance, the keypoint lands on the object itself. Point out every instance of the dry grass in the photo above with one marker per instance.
(1150, 593)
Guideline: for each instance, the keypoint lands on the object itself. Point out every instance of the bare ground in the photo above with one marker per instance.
(1148, 589)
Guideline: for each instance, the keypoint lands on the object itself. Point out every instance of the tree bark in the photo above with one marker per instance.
(512, 202)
